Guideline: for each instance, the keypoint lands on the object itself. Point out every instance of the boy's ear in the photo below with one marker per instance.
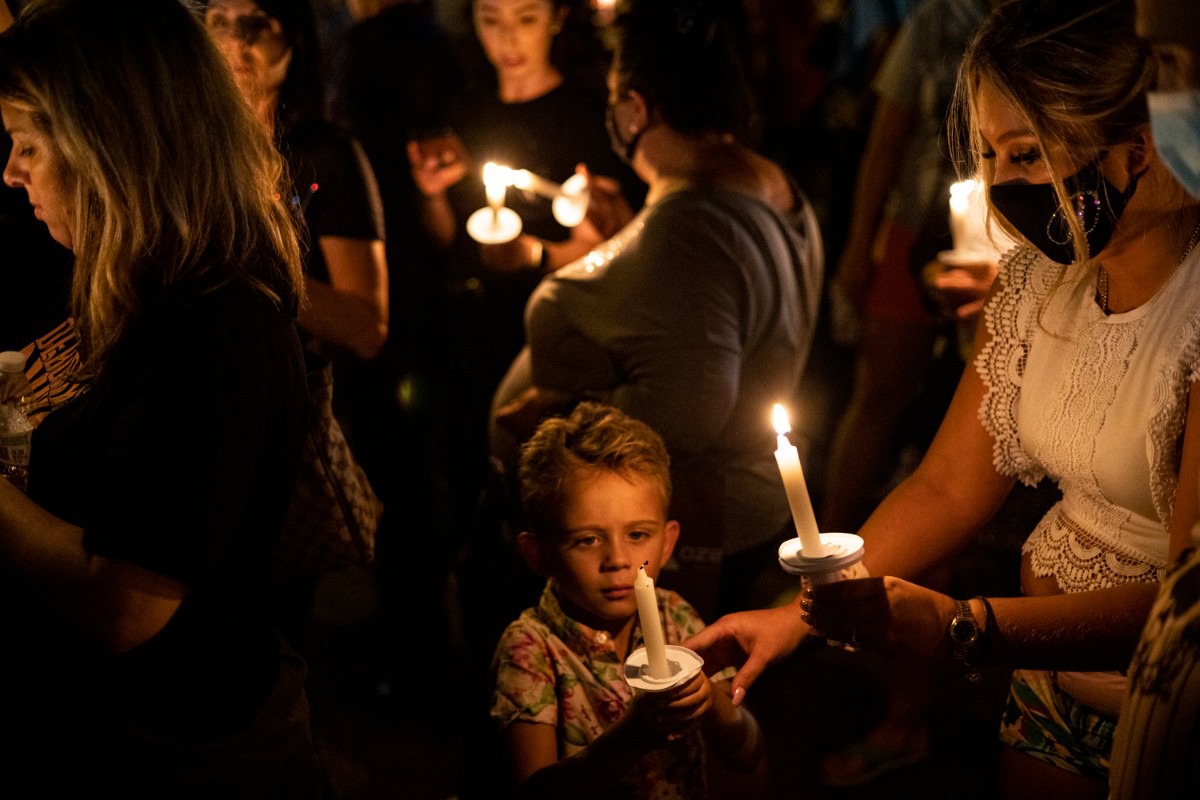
(531, 552)
(670, 537)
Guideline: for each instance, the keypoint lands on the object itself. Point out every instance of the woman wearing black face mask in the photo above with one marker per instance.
(1085, 372)
(698, 315)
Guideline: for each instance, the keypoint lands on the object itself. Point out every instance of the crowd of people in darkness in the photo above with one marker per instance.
(561, 258)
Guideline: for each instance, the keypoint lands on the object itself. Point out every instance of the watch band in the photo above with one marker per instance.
(964, 632)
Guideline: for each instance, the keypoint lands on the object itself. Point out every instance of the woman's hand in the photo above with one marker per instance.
(522, 253)
(960, 288)
(881, 614)
(437, 164)
(14, 386)
(752, 639)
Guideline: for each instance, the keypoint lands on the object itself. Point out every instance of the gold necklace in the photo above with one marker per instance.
(1102, 274)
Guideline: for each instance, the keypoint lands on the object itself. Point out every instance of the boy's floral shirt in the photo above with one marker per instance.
(553, 670)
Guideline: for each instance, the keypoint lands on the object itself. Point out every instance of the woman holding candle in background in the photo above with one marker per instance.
(699, 314)
(596, 487)
(271, 48)
(539, 107)
(1086, 372)
(899, 222)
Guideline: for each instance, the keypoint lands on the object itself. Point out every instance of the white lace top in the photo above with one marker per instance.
(1097, 403)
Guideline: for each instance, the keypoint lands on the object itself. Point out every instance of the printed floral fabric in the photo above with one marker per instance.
(553, 670)
(1048, 724)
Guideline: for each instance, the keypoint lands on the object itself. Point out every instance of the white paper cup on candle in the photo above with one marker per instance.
(843, 551)
(682, 665)
(494, 225)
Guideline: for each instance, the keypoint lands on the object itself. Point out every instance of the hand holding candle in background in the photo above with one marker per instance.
(788, 459)
(652, 632)
(959, 279)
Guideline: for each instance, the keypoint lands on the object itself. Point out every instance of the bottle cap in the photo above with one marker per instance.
(12, 361)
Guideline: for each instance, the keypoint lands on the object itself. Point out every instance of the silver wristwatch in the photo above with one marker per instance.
(964, 632)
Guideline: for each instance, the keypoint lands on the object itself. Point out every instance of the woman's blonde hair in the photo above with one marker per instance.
(1075, 70)
(170, 177)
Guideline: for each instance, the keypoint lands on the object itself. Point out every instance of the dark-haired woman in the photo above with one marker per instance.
(272, 49)
(271, 46)
(698, 315)
(140, 658)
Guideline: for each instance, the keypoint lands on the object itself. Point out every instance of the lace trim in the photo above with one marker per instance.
(1010, 318)
(1170, 401)
(1081, 561)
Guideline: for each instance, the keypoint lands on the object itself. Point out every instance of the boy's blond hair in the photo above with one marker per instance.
(593, 437)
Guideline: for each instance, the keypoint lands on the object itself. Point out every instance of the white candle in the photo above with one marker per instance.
(960, 206)
(652, 632)
(524, 179)
(968, 220)
(794, 485)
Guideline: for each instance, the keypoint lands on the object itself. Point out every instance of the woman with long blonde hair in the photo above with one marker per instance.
(142, 660)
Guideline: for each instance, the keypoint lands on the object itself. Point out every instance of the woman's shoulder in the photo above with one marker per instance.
(215, 310)
(194, 330)
(1022, 268)
(708, 212)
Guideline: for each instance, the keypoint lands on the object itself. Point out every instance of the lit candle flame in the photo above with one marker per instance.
(496, 180)
(780, 416)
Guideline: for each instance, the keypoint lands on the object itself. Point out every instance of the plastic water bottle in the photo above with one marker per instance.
(15, 430)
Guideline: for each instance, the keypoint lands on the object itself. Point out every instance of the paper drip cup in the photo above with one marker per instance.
(683, 663)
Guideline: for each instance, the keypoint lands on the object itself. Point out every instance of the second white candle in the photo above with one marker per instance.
(652, 632)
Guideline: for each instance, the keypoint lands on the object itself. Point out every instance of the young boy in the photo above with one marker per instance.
(595, 488)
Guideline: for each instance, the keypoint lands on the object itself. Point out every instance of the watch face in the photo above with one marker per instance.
(963, 631)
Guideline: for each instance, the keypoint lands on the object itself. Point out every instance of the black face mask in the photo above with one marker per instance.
(1033, 209)
(625, 150)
